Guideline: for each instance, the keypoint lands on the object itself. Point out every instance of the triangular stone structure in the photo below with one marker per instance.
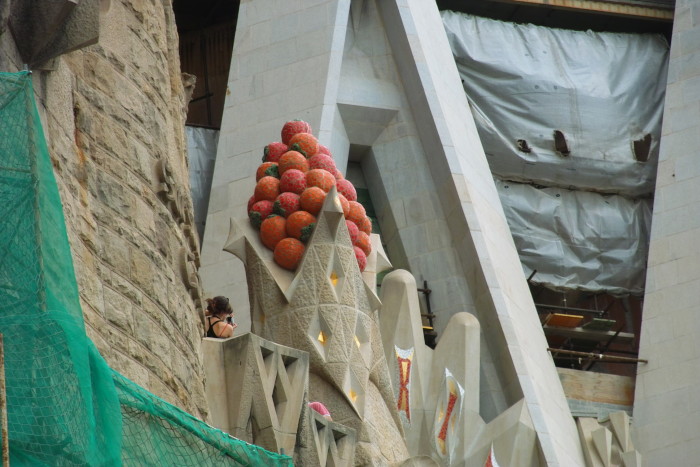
(377, 80)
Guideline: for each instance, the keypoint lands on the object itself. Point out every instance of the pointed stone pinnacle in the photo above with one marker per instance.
(235, 243)
(332, 211)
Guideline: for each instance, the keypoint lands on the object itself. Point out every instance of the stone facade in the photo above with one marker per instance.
(114, 122)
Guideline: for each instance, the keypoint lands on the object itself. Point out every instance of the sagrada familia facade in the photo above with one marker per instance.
(444, 348)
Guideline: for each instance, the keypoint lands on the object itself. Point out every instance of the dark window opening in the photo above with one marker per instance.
(206, 29)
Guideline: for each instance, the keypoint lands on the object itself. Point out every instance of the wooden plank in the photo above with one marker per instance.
(631, 8)
(597, 387)
(584, 334)
(563, 320)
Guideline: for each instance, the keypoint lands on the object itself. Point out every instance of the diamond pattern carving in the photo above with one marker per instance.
(335, 443)
(328, 311)
(269, 382)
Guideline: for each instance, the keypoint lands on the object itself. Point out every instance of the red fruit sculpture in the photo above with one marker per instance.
(267, 168)
(322, 161)
(286, 203)
(274, 151)
(259, 212)
(293, 127)
(353, 231)
(346, 189)
(361, 258)
(293, 180)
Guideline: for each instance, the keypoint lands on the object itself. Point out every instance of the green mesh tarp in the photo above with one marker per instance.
(65, 406)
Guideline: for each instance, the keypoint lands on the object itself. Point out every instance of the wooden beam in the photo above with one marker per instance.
(653, 10)
(585, 334)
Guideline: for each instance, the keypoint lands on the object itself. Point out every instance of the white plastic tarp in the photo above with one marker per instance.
(201, 149)
(578, 239)
(602, 91)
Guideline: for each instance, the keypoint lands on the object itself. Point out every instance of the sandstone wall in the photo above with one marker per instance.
(114, 118)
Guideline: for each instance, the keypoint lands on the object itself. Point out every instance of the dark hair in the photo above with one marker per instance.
(219, 305)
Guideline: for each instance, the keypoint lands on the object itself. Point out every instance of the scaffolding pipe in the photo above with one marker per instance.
(596, 356)
(568, 308)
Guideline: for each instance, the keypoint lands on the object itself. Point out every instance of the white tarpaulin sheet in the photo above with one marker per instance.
(602, 91)
(201, 150)
(579, 239)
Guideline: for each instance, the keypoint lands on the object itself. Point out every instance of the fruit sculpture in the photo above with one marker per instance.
(292, 183)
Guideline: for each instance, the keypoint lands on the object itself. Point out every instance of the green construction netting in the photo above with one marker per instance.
(65, 406)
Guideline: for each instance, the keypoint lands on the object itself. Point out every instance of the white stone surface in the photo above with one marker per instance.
(666, 427)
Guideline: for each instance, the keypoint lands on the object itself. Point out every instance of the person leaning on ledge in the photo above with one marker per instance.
(219, 318)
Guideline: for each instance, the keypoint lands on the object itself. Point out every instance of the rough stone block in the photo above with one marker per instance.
(44, 29)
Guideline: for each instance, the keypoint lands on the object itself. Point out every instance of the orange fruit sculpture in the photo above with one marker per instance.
(320, 178)
(300, 225)
(272, 231)
(305, 143)
(267, 188)
(288, 253)
(293, 160)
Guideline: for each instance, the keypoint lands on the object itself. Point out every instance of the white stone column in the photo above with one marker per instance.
(666, 422)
